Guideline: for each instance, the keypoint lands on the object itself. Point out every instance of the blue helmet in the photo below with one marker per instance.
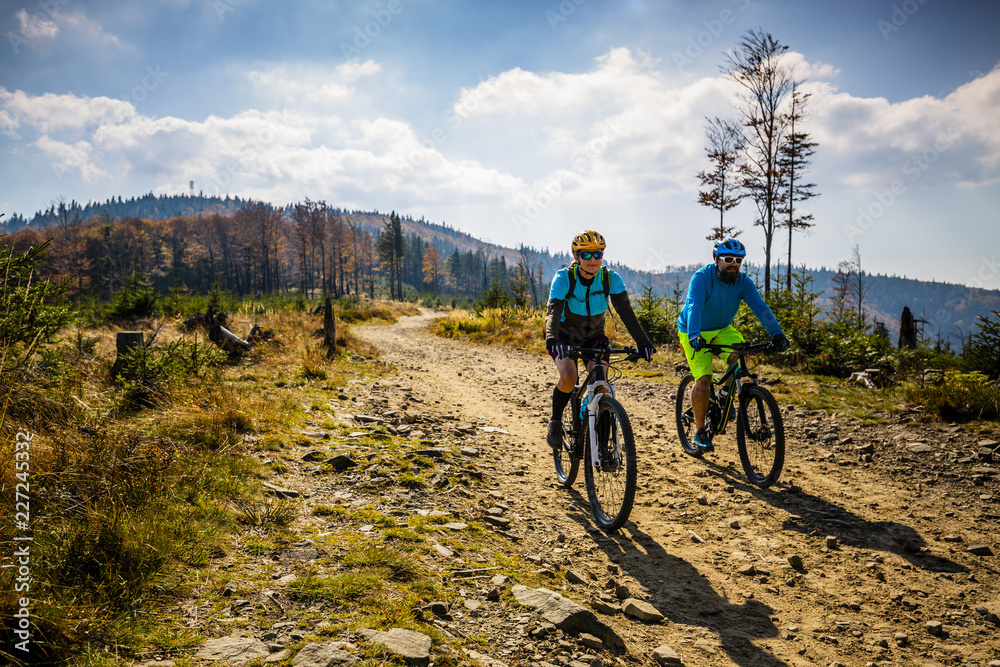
(729, 247)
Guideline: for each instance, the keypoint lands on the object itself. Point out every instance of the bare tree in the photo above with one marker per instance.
(725, 145)
(756, 65)
(526, 262)
(850, 286)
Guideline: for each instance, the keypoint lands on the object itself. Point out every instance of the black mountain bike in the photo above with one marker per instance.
(760, 432)
(597, 431)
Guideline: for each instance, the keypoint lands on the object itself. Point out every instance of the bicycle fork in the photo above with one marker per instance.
(592, 405)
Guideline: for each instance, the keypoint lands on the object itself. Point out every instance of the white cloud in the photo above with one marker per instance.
(80, 156)
(954, 140)
(49, 113)
(81, 25)
(48, 24)
(36, 26)
(298, 85)
(536, 146)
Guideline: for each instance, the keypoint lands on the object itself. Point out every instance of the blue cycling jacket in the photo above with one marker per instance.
(587, 299)
(712, 304)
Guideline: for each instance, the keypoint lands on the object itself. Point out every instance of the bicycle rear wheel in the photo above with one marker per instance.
(685, 417)
(567, 459)
(611, 480)
(760, 436)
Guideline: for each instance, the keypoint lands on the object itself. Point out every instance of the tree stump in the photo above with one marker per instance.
(125, 341)
(329, 328)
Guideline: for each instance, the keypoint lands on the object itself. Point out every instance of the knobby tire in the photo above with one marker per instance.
(611, 486)
(760, 436)
(566, 459)
(685, 417)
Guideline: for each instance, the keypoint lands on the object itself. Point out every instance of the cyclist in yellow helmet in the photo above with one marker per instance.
(578, 299)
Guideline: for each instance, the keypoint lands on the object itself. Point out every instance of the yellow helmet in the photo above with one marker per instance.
(588, 240)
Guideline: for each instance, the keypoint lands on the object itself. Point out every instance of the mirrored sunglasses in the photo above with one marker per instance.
(587, 254)
(729, 259)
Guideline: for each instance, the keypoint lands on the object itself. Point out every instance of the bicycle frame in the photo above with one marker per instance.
(593, 382)
(736, 371)
(593, 402)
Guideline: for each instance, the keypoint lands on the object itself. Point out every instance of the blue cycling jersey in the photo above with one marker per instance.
(712, 304)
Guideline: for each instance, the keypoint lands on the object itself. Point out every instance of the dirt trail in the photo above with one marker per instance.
(891, 571)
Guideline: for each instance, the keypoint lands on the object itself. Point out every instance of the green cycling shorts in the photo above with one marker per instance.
(700, 362)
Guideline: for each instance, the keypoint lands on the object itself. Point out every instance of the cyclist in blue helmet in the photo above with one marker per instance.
(714, 295)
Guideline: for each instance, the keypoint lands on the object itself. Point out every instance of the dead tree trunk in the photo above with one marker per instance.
(125, 341)
(907, 329)
(228, 341)
(329, 328)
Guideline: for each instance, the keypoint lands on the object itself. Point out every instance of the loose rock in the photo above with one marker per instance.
(234, 650)
(641, 610)
(323, 655)
(413, 647)
(664, 655)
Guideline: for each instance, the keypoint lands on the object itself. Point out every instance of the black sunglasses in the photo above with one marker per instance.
(729, 259)
(587, 254)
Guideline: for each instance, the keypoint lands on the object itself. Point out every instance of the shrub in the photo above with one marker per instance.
(31, 312)
(148, 371)
(135, 302)
(982, 352)
(495, 296)
(844, 349)
(658, 316)
(961, 397)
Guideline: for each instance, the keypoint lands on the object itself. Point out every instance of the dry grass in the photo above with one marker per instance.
(126, 502)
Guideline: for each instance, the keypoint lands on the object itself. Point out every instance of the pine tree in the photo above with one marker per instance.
(793, 162)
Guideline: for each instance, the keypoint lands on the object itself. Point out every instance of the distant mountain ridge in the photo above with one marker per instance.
(950, 310)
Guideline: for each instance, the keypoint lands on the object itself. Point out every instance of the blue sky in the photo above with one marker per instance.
(519, 122)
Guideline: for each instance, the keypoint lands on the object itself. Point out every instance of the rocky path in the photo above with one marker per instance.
(877, 547)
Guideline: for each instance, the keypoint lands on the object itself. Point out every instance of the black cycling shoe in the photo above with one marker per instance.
(555, 436)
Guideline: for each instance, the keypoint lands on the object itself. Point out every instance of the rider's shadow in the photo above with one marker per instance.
(683, 595)
(812, 515)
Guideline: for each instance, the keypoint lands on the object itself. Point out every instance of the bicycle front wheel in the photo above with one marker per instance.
(566, 458)
(685, 417)
(611, 480)
(760, 436)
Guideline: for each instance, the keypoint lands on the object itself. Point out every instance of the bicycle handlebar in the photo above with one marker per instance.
(745, 348)
(634, 354)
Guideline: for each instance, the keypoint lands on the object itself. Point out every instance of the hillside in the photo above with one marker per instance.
(950, 311)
